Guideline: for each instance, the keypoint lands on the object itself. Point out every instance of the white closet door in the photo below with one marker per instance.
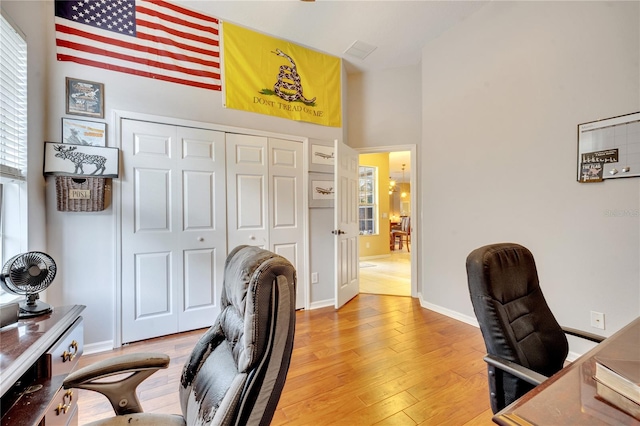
(265, 191)
(173, 228)
(286, 218)
(247, 186)
(203, 233)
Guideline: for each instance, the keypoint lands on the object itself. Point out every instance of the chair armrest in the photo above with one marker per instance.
(583, 334)
(121, 391)
(517, 370)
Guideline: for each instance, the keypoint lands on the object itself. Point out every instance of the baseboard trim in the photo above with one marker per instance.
(321, 304)
(378, 256)
(448, 312)
(94, 348)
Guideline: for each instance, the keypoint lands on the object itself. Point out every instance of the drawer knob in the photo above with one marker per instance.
(69, 356)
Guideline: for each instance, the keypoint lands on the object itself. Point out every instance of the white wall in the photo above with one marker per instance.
(83, 244)
(384, 108)
(502, 94)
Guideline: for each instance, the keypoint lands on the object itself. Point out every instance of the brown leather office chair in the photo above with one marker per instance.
(525, 344)
(403, 234)
(236, 371)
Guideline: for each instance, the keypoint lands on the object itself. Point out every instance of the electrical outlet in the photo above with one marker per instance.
(597, 320)
(314, 278)
(368, 245)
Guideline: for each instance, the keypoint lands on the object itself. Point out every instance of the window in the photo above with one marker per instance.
(13, 142)
(368, 201)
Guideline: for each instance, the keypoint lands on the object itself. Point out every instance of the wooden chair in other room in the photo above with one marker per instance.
(403, 234)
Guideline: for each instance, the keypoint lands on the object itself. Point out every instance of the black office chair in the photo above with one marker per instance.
(236, 371)
(525, 344)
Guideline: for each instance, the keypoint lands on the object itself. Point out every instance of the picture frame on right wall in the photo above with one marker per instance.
(609, 148)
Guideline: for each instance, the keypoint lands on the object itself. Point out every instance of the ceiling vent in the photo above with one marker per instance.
(359, 49)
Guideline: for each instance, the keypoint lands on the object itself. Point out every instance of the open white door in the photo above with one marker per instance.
(346, 224)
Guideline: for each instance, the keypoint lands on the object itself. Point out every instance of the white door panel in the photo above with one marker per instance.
(151, 201)
(153, 278)
(199, 188)
(173, 230)
(284, 209)
(203, 228)
(199, 273)
(247, 191)
(251, 207)
(286, 192)
(346, 231)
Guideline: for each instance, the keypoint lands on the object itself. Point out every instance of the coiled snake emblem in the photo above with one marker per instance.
(289, 73)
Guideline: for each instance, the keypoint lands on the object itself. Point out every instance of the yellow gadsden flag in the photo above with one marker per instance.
(270, 76)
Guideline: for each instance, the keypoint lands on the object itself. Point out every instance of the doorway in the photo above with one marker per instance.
(387, 263)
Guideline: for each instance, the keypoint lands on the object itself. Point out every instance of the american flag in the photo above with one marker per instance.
(153, 39)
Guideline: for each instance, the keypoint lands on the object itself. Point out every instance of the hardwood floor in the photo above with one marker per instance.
(387, 275)
(380, 360)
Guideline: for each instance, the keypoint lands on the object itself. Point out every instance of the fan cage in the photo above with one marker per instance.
(28, 273)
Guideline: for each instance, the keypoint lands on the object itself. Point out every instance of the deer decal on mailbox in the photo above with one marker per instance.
(80, 158)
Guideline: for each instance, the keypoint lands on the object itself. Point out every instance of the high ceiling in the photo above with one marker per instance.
(397, 29)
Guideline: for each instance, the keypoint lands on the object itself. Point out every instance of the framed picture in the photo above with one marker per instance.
(321, 190)
(322, 156)
(609, 148)
(62, 159)
(82, 132)
(85, 97)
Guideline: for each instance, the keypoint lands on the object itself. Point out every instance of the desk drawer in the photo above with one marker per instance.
(63, 410)
(65, 353)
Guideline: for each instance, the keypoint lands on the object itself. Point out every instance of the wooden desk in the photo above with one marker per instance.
(569, 397)
(36, 354)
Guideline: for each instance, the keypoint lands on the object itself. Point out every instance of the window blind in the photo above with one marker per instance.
(13, 102)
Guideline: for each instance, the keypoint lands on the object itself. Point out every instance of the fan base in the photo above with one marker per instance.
(34, 310)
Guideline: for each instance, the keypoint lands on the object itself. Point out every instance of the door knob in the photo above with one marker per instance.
(252, 237)
(200, 239)
(338, 232)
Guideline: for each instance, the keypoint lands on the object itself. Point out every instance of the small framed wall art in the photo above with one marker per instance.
(321, 190)
(84, 98)
(82, 132)
(322, 157)
(62, 159)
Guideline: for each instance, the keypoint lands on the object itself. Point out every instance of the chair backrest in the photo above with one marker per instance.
(405, 224)
(514, 317)
(238, 368)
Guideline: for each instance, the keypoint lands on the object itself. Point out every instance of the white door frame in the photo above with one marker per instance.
(415, 213)
(116, 199)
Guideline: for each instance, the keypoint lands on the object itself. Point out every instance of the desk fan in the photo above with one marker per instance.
(28, 274)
